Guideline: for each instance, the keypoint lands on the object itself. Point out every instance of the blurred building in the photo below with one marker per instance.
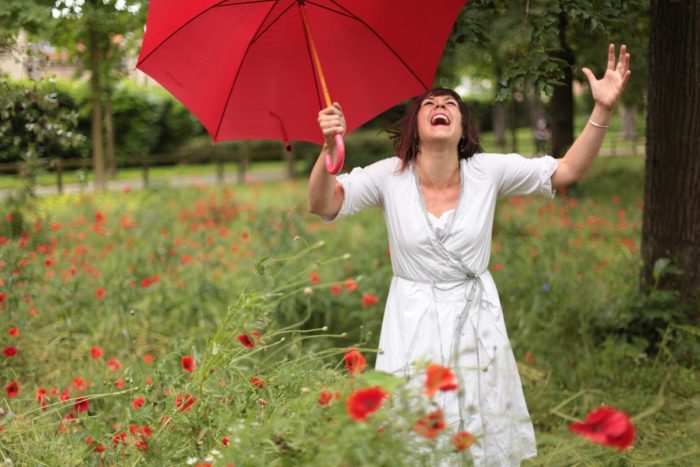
(28, 60)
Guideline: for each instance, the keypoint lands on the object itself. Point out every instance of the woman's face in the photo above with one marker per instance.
(439, 121)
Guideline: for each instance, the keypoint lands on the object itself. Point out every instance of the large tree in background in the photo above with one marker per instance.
(86, 29)
(671, 227)
(535, 48)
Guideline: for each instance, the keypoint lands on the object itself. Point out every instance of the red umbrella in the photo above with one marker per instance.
(251, 69)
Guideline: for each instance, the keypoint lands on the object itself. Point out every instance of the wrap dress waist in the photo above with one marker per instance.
(473, 310)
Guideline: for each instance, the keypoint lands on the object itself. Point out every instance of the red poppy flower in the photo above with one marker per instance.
(148, 358)
(141, 444)
(145, 282)
(98, 448)
(369, 300)
(364, 402)
(113, 364)
(10, 351)
(184, 401)
(225, 441)
(96, 352)
(138, 402)
(257, 382)
(2, 297)
(119, 383)
(463, 440)
(81, 404)
(314, 277)
(336, 289)
(67, 420)
(529, 358)
(606, 426)
(40, 396)
(99, 293)
(439, 378)
(355, 361)
(126, 222)
(246, 341)
(13, 332)
(80, 383)
(143, 430)
(430, 425)
(188, 364)
(12, 389)
(350, 285)
(327, 397)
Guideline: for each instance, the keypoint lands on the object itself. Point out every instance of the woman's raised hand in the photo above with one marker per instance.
(608, 89)
(332, 122)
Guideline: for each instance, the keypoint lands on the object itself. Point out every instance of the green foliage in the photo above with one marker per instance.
(33, 127)
(35, 124)
(137, 111)
(515, 42)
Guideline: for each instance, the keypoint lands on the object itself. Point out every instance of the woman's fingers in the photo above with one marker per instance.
(332, 122)
(589, 74)
(611, 57)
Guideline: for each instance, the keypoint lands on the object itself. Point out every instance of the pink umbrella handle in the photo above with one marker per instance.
(332, 168)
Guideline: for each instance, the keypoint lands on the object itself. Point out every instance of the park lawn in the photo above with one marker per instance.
(613, 145)
(155, 174)
(203, 325)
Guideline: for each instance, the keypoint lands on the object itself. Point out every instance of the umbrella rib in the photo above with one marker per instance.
(244, 2)
(238, 72)
(260, 33)
(388, 46)
(349, 15)
(217, 5)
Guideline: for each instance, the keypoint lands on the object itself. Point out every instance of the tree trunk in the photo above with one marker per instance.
(499, 118)
(98, 157)
(629, 127)
(513, 126)
(671, 224)
(562, 103)
(500, 124)
(109, 135)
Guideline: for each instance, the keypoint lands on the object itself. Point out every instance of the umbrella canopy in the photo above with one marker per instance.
(245, 68)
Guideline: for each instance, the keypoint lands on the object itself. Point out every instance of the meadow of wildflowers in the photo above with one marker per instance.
(227, 326)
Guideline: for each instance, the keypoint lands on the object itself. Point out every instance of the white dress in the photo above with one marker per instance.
(443, 306)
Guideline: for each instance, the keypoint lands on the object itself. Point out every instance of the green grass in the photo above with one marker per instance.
(9, 182)
(235, 259)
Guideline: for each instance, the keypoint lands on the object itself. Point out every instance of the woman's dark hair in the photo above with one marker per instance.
(404, 133)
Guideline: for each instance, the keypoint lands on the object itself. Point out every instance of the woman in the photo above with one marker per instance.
(439, 195)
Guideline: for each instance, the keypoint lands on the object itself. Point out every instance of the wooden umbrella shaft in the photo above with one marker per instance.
(314, 54)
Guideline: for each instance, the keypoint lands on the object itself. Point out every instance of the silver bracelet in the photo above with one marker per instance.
(598, 125)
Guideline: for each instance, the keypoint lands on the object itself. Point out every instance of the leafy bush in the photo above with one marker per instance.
(38, 121)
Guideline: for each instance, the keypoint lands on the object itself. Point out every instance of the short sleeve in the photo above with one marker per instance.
(362, 187)
(517, 175)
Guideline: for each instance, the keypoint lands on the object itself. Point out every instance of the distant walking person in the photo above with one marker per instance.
(541, 136)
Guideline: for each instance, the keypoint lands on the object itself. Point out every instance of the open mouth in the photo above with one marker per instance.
(439, 120)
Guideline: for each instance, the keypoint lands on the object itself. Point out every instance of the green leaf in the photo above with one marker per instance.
(663, 266)
(386, 381)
